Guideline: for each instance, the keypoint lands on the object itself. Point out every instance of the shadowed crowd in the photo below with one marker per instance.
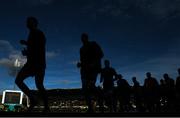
(152, 96)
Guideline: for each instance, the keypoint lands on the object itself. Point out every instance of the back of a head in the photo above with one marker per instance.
(134, 79)
(166, 76)
(84, 38)
(148, 74)
(32, 22)
(107, 63)
(119, 76)
(179, 70)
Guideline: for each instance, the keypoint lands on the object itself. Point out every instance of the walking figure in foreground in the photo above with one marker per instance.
(90, 64)
(36, 63)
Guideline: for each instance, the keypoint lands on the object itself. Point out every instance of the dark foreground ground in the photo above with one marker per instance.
(5, 114)
(71, 114)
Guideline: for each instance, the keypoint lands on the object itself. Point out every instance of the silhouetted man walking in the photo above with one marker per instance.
(151, 92)
(123, 92)
(36, 62)
(108, 75)
(170, 91)
(90, 63)
(177, 87)
(137, 93)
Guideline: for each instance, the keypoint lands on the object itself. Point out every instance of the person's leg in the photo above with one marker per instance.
(39, 78)
(93, 89)
(22, 75)
(83, 82)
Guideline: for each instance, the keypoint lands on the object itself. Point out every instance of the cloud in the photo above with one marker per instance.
(5, 46)
(163, 10)
(62, 82)
(46, 2)
(157, 66)
(51, 54)
(166, 63)
(9, 63)
(13, 55)
(35, 2)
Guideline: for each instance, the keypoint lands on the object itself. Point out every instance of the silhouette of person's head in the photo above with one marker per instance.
(134, 80)
(84, 38)
(119, 76)
(166, 76)
(107, 63)
(32, 23)
(148, 74)
(162, 81)
(179, 71)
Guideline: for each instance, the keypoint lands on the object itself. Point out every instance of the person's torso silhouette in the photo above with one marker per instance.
(91, 55)
(107, 76)
(178, 83)
(123, 86)
(36, 49)
(90, 61)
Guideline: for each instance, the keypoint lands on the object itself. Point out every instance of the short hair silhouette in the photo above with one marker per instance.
(107, 63)
(166, 75)
(148, 74)
(84, 38)
(134, 79)
(32, 22)
(179, 70)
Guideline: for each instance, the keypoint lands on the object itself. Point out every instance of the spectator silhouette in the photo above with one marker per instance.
(108, 75)
(178, 82)
(162, 93)
(137, 93)
(100, 98)
(170, 91)
(178, 90)
(90, 64)
(36, 63)
(123, 92)
(151, 93)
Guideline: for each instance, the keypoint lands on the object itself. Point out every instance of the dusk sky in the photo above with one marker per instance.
(137, 36)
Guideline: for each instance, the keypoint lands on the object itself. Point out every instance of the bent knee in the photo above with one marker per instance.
(18, 81)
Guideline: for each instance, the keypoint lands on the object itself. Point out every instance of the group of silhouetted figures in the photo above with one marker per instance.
(150, 97)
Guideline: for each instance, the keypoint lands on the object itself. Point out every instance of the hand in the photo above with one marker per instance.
(78, 64)
(23, 42)
(24, 52)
